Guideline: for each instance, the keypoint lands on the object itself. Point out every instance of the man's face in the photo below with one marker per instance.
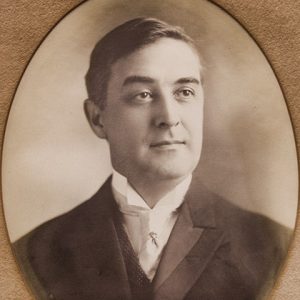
(154, 111)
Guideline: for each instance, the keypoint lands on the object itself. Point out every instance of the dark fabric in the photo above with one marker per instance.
(140, 285)
(216, 251)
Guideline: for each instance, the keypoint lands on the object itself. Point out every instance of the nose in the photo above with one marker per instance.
(167, 114)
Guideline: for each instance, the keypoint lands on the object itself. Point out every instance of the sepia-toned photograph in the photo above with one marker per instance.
(141, 158)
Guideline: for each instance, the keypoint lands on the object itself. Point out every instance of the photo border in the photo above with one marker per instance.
(275, 27)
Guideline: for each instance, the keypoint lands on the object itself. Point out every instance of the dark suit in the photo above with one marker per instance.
(215, 251)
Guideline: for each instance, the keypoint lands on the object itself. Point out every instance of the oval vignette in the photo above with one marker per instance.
(53, 161)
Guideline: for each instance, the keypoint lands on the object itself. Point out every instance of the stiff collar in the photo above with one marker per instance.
(131, 198)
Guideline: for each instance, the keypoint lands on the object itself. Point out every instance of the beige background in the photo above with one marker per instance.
(25, 24)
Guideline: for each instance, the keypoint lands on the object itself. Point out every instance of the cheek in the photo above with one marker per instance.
(126, 129)
(194, 119)
(131, 126)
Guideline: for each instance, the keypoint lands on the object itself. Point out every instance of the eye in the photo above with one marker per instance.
(185, 94)
(142, 97)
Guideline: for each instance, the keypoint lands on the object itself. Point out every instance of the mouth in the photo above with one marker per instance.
(167, 144)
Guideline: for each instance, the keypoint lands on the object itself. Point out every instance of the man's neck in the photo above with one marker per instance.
(152, 191)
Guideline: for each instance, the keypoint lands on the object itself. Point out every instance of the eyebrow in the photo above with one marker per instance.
(146, 79)
(137, 79)
(187, 80)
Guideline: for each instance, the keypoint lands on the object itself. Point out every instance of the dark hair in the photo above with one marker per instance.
(120, 42)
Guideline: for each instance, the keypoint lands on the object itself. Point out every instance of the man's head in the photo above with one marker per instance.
(146, 99)
(120, 42)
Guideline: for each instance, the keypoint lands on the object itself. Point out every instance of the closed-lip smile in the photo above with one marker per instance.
(167, 143)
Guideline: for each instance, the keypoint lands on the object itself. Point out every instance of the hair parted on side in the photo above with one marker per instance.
(121, 42)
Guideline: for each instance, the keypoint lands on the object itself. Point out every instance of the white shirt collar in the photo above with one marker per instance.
(142, 222)
(130, 197)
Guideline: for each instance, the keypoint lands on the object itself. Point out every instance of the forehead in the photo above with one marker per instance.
(166, 59)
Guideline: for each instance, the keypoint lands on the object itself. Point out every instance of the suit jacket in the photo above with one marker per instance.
(215, 251)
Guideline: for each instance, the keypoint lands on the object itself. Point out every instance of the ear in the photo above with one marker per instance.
(93, 114)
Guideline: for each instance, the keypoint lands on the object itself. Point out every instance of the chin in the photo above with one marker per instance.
(171, 171)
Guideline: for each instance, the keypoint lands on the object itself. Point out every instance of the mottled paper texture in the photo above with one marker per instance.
(274, 24)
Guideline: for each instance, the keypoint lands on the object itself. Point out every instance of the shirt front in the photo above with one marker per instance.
(148, 228)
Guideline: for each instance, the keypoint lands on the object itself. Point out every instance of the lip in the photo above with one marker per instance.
(167, 143)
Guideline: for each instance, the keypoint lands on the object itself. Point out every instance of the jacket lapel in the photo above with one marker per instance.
(104, 247)
(191, 246)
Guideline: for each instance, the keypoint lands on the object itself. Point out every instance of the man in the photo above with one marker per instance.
(151, 232)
